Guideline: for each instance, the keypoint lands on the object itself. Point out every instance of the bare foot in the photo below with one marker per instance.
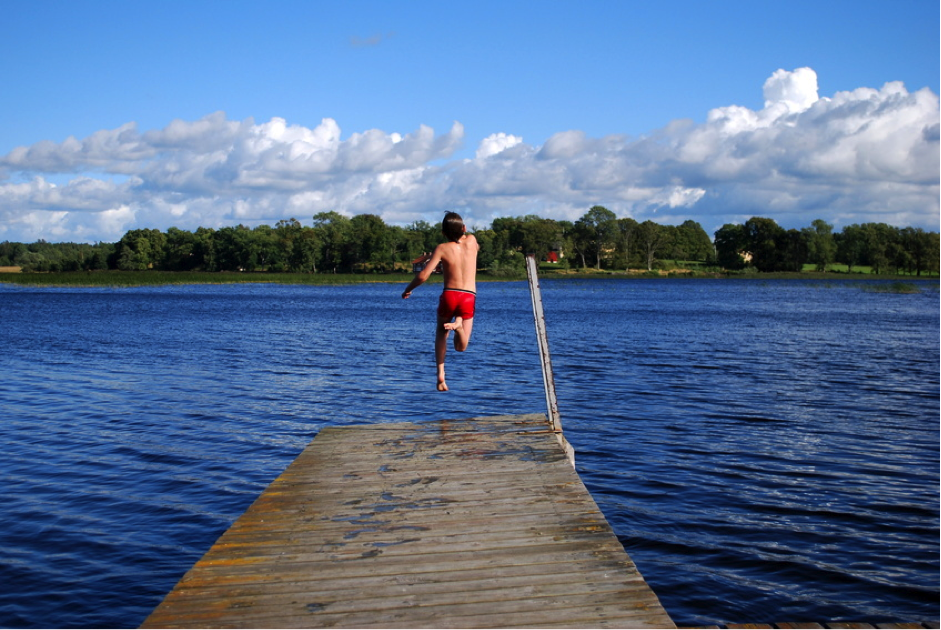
(457, 324)
(442, 386)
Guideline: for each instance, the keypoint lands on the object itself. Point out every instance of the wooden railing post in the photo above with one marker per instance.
(552, 404)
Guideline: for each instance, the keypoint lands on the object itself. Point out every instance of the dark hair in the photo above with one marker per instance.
(452, 226)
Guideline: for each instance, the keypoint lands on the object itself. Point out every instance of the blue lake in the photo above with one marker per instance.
(765, 451)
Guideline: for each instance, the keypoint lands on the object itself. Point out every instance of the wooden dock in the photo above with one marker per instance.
(470, 523)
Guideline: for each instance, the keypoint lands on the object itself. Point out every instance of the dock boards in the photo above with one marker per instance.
(471, 523)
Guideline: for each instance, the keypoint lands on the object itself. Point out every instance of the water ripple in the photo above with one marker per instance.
(758, 462)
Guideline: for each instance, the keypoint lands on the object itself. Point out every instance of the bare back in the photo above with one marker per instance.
(460, 263)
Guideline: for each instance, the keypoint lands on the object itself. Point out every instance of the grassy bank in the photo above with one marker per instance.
(159, 278)
(162, 278)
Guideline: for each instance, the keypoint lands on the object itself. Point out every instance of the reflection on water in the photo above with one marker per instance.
(765, 451)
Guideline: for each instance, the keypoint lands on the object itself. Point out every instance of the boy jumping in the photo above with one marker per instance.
(458, 258)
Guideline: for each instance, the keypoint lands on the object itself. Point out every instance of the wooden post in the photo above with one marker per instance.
(552, 405)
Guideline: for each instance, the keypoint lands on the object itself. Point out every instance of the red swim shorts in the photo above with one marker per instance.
(456, 303)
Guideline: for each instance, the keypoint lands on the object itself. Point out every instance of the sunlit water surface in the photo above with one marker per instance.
(765, 451)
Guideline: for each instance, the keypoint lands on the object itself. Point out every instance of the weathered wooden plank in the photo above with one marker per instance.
(473, 523)
(449, 577)
(269, 610)
(458, 581)
(795, 625)
(403, 544)
(452, 595)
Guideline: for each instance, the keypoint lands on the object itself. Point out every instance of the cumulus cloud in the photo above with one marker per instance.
(496, 143)
(870, 154)
(796, 90)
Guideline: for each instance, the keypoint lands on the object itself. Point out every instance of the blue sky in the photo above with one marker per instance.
(150, 114)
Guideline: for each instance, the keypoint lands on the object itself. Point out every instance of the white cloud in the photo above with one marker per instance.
(862, 155)
(496, 143)
(210, 133)
(796, 90)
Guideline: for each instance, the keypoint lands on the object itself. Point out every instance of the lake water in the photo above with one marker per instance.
(765, 451)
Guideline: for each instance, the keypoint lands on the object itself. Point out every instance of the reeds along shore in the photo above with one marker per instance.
(11, 275)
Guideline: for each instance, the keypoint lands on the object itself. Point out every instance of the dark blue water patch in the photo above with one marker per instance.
(765, 451)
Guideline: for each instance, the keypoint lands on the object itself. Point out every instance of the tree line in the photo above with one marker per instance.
(365, 243)
(763, 244)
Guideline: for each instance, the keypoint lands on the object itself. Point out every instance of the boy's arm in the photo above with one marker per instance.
(424, 274)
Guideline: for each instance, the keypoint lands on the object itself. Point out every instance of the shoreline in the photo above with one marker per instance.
(163, 278)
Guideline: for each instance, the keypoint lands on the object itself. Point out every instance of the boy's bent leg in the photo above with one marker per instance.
(465, 321)
(462, 335)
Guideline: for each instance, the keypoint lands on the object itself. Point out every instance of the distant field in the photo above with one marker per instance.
(841, 268)
(862, 270)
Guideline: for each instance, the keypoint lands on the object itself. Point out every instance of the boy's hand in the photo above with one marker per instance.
(405, 294)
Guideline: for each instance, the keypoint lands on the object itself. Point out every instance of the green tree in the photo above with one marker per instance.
(11, 253)
(140, 249)
(271, 252)
(851, 246)
(793, 251)
(398, 245)
(204, 249)
(423, 238)
(507, 234)
(765, 239)
(933, 257)
(565, 246)
(596, 231)
(730, 243)
(900, 259)
(693, 242)
(918, 245)
(673, 245)
(333, 233)
(99, 258)
(235, 249)
(627, 229)
(304, 252)
(487, 254)
(651, 238)
(821, 245)
(539, 236)
(178, 250)
(879, 245)
(369, 241)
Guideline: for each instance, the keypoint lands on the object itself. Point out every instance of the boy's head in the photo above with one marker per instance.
(453, 226)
